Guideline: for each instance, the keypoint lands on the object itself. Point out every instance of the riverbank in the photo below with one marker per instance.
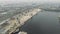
(11, 24)
(45, 22)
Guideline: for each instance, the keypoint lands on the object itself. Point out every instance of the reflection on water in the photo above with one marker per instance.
(45, 22)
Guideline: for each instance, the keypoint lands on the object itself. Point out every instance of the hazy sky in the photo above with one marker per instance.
(30, 0)
(11, 1)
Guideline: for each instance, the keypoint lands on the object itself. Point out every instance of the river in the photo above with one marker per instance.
(45, 22)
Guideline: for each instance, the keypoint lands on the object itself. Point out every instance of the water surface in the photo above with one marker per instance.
(45, 22)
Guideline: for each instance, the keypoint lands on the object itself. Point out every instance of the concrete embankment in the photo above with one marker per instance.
(11, 24)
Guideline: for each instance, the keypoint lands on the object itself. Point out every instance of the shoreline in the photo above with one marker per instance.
(13, 23)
